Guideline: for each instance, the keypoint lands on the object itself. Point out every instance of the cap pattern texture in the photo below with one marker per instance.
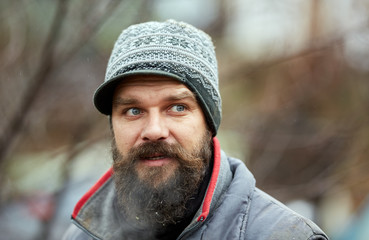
(169, 48)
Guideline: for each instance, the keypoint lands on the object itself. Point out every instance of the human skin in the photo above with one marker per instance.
(156, 108)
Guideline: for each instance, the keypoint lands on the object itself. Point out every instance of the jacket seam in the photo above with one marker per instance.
(245, 219)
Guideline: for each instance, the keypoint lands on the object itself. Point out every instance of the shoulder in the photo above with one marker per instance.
(270, 219)
(74, 233)
(266, 217)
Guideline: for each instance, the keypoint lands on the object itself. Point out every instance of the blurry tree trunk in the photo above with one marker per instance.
(44, 67)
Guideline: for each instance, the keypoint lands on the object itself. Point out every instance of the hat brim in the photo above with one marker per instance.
(103, 95)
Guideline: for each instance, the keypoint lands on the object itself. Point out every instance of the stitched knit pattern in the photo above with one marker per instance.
(170, 48)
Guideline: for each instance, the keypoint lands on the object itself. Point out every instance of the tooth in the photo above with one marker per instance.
(155, 158)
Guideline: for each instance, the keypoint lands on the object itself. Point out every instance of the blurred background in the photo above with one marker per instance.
(293, 78)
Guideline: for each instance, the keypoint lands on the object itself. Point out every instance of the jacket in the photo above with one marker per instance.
(233, 208)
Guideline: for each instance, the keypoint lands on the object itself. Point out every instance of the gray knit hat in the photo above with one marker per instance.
(169, 48)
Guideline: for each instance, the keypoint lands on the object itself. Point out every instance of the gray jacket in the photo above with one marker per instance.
(233, 208)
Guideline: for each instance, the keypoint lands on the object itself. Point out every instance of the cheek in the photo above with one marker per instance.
(190, 134)
(124, 137)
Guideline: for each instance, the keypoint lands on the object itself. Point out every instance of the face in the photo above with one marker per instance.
(161, 149)
(156, 109)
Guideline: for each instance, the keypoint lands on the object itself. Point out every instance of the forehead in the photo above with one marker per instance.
(137, 82)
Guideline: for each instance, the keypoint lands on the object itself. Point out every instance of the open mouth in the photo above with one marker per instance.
(154, 157)
(155, 160)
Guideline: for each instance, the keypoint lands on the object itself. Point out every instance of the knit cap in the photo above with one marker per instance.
(174, 49)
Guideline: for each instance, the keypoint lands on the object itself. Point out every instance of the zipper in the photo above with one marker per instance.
(85, 230)
(190, 229)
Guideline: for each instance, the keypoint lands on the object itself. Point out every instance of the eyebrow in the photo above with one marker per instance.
(125, 101)
(181, 96)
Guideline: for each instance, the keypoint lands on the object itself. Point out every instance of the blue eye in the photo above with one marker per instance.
(134, 111)
(178, 108)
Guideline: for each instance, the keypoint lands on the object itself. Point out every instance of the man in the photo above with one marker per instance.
(170, 179)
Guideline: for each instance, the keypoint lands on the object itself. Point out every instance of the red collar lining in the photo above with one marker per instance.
(212, 183)
(90, 192)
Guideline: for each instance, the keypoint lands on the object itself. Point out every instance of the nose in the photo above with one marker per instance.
(155, 128)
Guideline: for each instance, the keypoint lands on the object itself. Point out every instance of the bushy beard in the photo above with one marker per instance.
(150, 197)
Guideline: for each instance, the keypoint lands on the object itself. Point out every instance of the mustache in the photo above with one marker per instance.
(163, 149)
(185, 158)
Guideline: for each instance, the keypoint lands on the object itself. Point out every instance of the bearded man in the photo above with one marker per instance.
(170, 179)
